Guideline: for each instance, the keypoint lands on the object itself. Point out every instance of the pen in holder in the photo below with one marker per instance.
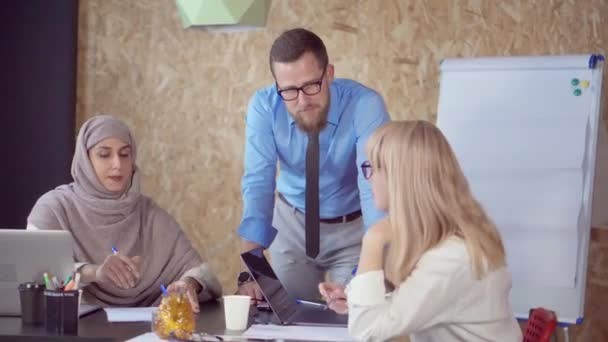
(62, 311)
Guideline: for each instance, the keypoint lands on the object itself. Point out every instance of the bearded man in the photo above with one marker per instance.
(311, 217)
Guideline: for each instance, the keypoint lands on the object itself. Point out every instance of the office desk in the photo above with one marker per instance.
(96, 328)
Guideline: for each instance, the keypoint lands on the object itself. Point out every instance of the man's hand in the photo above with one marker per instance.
(252, 290)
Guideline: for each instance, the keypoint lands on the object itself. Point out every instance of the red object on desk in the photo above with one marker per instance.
(541, 325)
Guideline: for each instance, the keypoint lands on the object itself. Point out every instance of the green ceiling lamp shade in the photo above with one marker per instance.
(224, 15)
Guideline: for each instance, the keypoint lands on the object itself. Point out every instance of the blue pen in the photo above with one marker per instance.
(354, 271)
(319, 305)
(164, 289)
(114, 250)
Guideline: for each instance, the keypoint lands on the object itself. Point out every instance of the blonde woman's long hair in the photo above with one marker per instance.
(429, 199)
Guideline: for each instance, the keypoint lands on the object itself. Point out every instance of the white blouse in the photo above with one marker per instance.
(440, 301)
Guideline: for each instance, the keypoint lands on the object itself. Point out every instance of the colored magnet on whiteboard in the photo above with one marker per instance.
(585, 84)
(577, 92)
(574, 82)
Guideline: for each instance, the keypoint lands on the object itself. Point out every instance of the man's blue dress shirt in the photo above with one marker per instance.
(272, 135)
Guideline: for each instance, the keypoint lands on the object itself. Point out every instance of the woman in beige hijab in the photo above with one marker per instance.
(104, 210)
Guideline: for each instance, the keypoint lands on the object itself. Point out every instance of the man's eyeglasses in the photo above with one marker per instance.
(309, 89)
(366, 169)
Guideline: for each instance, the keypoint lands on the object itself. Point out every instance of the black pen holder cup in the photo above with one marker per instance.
(61, 312)
(31, 297)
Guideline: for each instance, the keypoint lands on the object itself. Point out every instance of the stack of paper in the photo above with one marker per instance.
(130, 314)
(298, 333)
(524, 149)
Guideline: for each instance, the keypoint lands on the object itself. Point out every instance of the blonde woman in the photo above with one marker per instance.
(437, 252)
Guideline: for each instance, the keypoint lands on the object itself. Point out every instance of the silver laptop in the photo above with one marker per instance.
(25, 256)
(285, 308)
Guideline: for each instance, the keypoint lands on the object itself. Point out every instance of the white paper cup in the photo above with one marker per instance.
(236, 311)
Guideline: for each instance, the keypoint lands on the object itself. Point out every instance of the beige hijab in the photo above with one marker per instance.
(99, 219)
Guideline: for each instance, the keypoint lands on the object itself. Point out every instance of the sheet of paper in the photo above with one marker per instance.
(130, 314)
(147, 337)
(85, 309)
(513, 114)
(514, 94)
(542, 257)
(152, 337)
(298, 333)
(517, 144)
(534, 199)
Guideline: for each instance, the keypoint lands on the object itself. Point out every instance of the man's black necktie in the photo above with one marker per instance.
(312, 195)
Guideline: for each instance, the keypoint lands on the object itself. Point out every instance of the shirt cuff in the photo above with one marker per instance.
(257, 230)
(77, 268)
(207, 279)
(366, 289)
(79, 265)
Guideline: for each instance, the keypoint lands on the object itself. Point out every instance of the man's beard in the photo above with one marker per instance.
(312, 125)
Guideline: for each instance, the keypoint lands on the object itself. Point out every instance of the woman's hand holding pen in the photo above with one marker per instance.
(122, 271)
(334, 296)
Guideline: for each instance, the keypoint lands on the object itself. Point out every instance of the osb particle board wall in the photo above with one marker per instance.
(184, 92)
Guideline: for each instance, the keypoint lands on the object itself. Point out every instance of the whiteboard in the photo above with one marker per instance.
(525, 131)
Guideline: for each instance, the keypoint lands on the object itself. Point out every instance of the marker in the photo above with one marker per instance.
(164, 289)
(47, 282)
(67, 280)
(114, 250)
(319, 305)
(55, 283)
(354, 271)
(592, 61)
(69, 286)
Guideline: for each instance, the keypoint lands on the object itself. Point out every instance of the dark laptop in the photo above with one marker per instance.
(285, 308)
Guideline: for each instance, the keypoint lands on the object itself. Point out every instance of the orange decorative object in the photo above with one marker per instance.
(174, 317)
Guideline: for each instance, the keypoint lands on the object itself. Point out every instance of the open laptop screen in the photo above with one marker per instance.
(280, 302)
(25, 256)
